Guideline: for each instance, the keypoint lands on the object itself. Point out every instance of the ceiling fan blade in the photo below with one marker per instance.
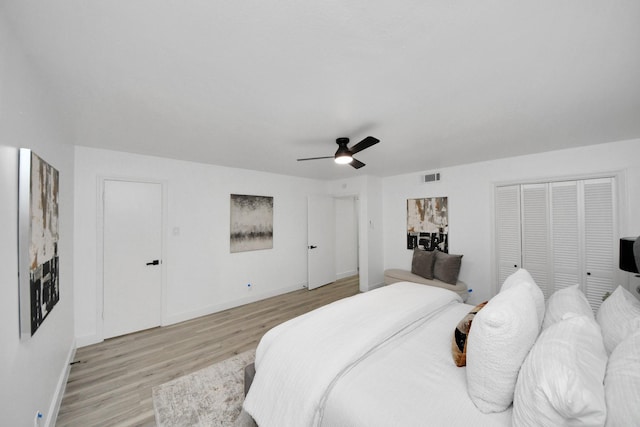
(357, 164)
(365, 143)
(316, 158)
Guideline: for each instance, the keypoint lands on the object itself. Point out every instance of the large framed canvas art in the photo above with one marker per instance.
(251, 223)
(38, 236)
(428, 224)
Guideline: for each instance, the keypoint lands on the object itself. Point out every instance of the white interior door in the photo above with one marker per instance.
(132, 255)
(321, 241)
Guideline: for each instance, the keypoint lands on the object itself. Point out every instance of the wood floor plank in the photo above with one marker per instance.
(110, 383)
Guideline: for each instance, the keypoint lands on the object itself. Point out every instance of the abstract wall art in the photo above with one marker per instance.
(251, 223)
(428, 224)
(37, 241)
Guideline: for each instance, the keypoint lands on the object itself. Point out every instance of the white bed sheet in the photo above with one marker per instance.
(410, 381)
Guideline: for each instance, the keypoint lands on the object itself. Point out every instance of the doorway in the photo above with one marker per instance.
(347, 254)
(333, 239)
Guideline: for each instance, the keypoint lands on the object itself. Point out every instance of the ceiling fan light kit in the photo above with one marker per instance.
(344, 154)
(343, 159)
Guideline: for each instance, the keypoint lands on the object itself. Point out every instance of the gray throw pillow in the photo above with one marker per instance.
(447, 267)
(422, 263)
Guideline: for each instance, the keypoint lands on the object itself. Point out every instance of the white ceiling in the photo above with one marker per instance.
(256, 84)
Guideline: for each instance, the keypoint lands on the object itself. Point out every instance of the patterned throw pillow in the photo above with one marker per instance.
(459, 342)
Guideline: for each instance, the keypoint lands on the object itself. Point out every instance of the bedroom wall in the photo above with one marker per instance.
(202, 276)
(32, 372)
(470, 192)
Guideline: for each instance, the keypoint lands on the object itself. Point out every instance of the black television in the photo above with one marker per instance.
(627, 257)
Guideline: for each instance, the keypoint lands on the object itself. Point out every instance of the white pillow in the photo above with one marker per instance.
(619, 317)
(622, 383)
(560, 382)
(568, 300)
(523, 276)
(501, 336)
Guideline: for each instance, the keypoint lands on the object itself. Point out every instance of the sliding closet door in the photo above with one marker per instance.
(566, 238)
(535, 234)
(599, 235)
(563, 233)
(508, 245)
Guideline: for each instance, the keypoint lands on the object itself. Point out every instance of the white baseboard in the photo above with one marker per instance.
(86, 340)
(54, 408)
(346, 274)
(188, 315)
(377, 285)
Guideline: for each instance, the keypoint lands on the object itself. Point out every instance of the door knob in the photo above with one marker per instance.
(312, 247)
(154, 262)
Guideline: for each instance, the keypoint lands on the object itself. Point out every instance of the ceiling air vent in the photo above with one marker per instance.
(432, 177)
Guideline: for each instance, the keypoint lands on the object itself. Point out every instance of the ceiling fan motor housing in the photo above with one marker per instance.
(343, 150)
(343, 154)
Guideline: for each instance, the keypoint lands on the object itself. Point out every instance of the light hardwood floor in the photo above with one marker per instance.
(110, 383)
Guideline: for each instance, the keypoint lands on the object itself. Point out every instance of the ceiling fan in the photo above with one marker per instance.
(344, 155)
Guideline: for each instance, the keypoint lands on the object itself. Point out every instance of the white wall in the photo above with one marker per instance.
(470, 192)
(201, 275)
(375, 229)
(32, 372)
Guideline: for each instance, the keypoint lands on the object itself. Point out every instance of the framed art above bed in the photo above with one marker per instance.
(428, 224)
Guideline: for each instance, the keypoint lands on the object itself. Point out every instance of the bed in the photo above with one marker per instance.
(390, 345)
(384, 358)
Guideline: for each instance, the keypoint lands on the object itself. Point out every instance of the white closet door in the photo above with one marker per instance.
(508, 243)
(535, 234)
(599, 235)
(566, 239)
(564, 233)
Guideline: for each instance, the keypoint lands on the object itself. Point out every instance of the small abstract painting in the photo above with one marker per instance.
(428, 224)
(38, 241)
(251, 223)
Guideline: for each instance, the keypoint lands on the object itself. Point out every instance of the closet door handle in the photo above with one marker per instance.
(154, 262)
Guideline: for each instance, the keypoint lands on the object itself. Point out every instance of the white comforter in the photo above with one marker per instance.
(411, 382)
(299, 362)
